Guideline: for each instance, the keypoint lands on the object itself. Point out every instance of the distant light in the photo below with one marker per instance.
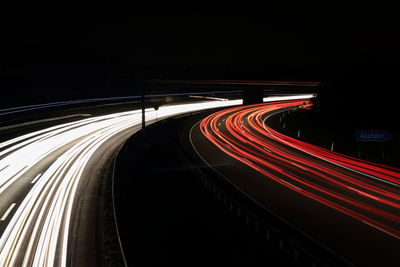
(290, 97)
(209, 97)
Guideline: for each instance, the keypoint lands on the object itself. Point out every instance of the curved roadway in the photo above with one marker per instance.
(346, 204)
(48, 181)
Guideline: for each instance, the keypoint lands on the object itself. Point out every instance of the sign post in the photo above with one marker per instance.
(372, 136)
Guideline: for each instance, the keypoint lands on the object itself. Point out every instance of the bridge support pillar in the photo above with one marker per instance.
(143, 113)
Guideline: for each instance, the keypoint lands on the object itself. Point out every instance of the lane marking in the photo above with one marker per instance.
(8, 211)
(379, 228)
(299, 166)
(247, 160)
(36, 178)
(266, 149)
(363, 193)
(298, 188)
(4, 168)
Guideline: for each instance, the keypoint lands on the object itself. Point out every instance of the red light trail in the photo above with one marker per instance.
(366, 191)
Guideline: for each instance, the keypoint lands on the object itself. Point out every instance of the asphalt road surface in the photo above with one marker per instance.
(349, 206)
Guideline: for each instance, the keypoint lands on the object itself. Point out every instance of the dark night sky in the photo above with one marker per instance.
(236, 36)
(338, 44)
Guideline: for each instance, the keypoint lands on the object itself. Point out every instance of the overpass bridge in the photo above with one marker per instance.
(160, 91)
(251, 91)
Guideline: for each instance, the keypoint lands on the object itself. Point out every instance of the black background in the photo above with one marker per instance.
(51, 52)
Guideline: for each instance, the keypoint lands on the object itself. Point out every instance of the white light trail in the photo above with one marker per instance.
(288, 97)
(37, 233)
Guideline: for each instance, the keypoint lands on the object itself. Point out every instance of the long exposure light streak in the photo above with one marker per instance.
(366, 191)
(47, 167)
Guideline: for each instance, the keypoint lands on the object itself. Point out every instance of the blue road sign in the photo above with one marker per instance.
(373, 136)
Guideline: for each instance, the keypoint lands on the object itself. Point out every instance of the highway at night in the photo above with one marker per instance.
(46, 178)
(49, 179)
(200, 135)
(349, 205)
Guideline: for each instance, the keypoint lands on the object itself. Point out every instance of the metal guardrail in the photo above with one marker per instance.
(253, 222)
(257, 219)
